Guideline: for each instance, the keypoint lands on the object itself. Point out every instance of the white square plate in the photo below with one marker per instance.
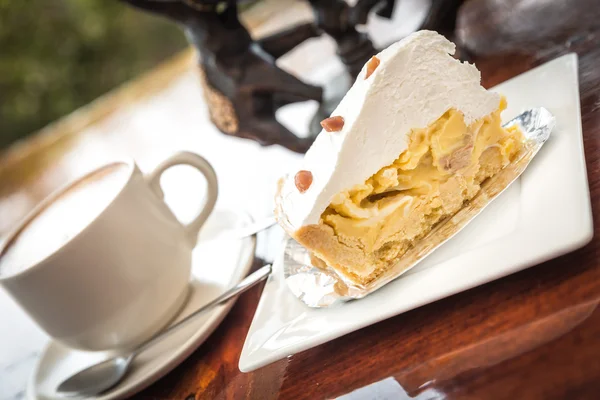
(544, 214)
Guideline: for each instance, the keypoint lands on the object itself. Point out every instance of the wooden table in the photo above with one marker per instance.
(535, 334)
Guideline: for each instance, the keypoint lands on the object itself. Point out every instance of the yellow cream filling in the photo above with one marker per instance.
(442, 168)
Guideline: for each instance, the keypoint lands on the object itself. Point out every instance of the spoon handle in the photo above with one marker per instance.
(248, 282)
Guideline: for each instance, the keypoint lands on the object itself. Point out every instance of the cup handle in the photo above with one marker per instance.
(192, 229)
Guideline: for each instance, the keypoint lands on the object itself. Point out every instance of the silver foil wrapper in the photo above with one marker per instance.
(318, 287)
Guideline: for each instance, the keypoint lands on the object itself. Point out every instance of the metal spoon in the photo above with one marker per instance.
(106, 374)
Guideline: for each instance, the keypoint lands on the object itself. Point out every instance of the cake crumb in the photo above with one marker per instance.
(303, 180)
(372, 66)
(333, 124)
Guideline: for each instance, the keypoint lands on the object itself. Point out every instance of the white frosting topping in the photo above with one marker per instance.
(416, 82)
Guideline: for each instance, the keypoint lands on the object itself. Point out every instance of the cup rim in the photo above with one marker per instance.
(37, 210)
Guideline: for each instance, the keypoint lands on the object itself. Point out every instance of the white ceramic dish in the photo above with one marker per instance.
(216, 266)
(546, 213)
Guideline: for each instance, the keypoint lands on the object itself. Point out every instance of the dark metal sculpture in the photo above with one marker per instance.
(243, 86)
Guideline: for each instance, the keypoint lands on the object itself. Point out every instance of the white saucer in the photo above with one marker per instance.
(542, 215)
(217, 265)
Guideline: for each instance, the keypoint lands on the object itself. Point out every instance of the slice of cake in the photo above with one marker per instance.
(407, 147)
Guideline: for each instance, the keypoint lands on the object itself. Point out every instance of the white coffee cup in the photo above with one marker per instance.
(103, 263)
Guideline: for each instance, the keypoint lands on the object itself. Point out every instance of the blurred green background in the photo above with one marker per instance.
(58, 55)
